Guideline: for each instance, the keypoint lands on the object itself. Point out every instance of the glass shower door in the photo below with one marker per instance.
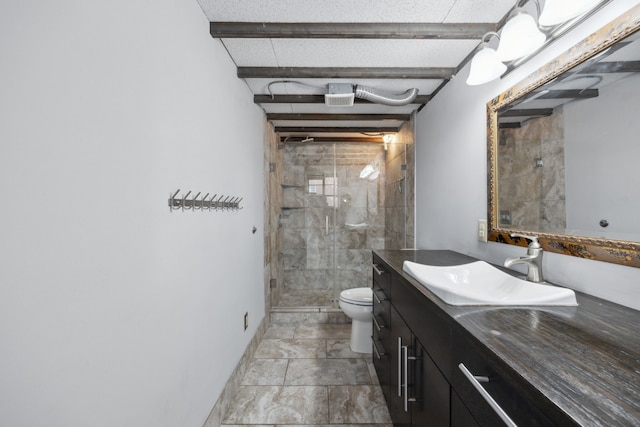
(308, 220)
(331, 219)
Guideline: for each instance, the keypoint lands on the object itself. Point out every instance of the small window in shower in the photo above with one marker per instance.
(316, 185)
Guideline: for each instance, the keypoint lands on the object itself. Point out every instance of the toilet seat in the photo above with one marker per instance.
(357, 296)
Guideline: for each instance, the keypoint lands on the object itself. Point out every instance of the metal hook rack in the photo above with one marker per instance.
(206, 203)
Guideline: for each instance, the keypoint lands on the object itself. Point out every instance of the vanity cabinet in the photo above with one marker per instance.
(417, 393)
(432, 371)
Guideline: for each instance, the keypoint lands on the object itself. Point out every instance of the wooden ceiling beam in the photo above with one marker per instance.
(440, 73)
(363, 139)
(538, 112)
(317, 99)
(612, 67)
(336, 129)
(568, 94)
(364, 30)
(338, 117)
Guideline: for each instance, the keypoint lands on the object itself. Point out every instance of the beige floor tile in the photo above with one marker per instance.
(266, 405)
(339, 349)
(327, 372)
(323, 330)
(279, 331)
(353, 404)
(291, 348)
(266, 372)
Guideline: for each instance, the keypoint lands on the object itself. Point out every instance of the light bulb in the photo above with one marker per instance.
(520, 36)
(556, 12)
(485, 66)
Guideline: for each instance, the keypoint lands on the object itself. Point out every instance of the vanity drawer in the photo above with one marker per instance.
(491, 384)
(381, 279)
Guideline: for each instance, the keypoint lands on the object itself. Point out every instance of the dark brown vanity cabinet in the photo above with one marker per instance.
(434, 373)
(417, 393)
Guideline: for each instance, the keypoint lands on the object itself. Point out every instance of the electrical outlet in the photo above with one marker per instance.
(482, 230)
(246, 320)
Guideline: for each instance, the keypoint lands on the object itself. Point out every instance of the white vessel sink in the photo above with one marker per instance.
(479, 283)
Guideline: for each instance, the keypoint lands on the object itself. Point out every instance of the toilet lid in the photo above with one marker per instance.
(359, 296)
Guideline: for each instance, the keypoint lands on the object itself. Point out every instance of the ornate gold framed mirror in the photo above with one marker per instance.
(564, 150)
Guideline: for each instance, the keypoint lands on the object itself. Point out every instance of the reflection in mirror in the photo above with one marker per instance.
(564, 154)
(566, 151)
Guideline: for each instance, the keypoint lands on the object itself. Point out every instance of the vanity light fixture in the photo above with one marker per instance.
(485, 65)
(520, 35)
(556, 12)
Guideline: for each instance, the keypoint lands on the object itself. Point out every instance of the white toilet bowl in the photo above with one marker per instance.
(357, 303)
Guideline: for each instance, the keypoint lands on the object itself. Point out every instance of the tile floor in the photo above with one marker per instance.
(306, 375)
(306, 298)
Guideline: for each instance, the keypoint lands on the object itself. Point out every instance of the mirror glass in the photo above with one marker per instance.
(564, 151)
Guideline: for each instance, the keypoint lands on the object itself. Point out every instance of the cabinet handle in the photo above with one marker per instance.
(475, 381)
(405, 351)
(377, 270)
(399, 366)
(406, 358)
(375, 295)
(375, 349)
(375, 322)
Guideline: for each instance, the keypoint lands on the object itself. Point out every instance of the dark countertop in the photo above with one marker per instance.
(584, 359)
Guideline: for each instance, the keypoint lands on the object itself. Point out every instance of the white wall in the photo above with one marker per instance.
(114, 311)
(451, 177)
(602, 153)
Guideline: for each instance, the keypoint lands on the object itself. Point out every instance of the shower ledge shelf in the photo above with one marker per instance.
(291, 186)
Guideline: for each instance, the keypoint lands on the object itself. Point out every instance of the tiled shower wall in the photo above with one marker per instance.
(400, 189)
(272, 231)
(297, 251)
(308, 199)
(531, 184)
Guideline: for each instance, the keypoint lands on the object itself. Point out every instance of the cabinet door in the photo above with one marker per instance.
(430, 406)
(402, 340)
(460, 415)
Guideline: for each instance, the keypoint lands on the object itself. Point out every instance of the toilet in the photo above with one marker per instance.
(357, 303)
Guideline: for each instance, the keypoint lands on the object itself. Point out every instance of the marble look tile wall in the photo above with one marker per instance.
(308, 249)
(400, 189)
(534, 195)
(273, 233)
(370, 215)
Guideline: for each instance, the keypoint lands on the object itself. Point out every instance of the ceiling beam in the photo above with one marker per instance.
(338, 117)
(612, 67)
(317, 99)
(542, 112)
(345, 73)
(363, 139)
(339, 129)
(509, 125)
(568, 94)
(322, 30)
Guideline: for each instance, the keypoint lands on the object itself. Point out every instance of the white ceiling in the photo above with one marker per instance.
(445, 55)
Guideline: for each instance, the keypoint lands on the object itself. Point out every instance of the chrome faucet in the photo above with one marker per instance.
(533, 259)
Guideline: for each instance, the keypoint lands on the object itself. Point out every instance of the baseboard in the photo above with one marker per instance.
(224, 401)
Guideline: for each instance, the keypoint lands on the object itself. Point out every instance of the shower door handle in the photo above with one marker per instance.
(326, 225)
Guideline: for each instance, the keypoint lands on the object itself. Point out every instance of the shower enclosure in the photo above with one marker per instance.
(332, 215)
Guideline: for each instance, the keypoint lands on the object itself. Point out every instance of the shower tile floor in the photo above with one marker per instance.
(306, 375)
